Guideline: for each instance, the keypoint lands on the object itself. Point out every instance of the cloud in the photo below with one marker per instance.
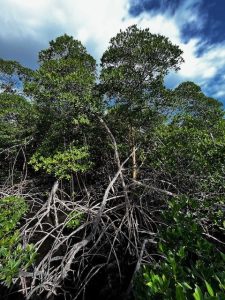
(27, 26)
(37, 22)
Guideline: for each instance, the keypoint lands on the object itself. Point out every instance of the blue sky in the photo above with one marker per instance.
(197, 26)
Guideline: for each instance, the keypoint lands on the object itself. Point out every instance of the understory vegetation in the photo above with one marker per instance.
(112, 186)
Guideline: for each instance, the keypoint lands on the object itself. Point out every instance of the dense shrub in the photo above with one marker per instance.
(14, 255)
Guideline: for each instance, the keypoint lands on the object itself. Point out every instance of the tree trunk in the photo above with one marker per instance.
(134, 157)
(134, 164)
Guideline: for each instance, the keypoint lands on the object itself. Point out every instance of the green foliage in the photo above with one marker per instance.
(190, 101)
(62, 87)
(63, 164)
(188, 152)
(81, 120)
(180, 138)
(190, 266)
(135, 62)
(13, 75)
(62, 91)
(17, 123)
(76, 218)
(13, 257)
(16, 120)
(191, 155)
(132, 74)
(12, 208)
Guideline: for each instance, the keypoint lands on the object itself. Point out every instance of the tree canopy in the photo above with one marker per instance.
(111, 183)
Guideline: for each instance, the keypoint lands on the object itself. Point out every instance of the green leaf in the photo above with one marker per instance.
(198, 293)
(209, 288)
(180, 293)
(186, 285)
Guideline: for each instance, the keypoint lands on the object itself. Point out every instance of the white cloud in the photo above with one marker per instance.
(91, 21)
(220, 94)
(94, 22)
(160, 24)
(188, 13)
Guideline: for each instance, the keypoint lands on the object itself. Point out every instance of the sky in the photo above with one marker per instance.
(197, 26)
